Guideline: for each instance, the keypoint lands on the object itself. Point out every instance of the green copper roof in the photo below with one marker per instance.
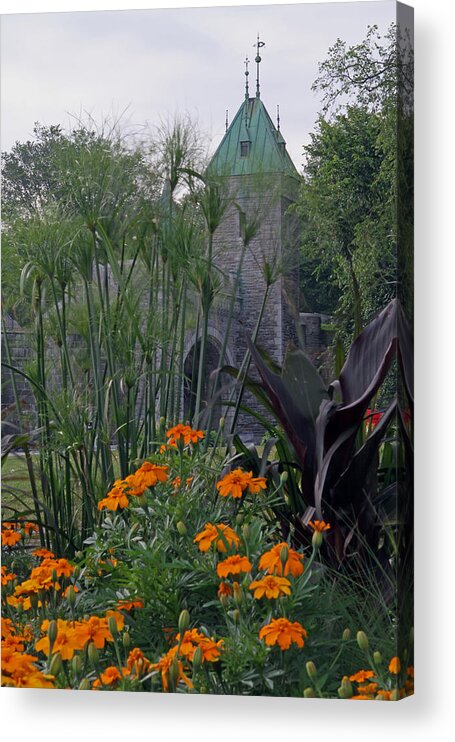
(265, 144)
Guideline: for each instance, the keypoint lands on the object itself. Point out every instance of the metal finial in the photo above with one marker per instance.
(227, 119)
(259, 44)
(278, 118)
(247, 94)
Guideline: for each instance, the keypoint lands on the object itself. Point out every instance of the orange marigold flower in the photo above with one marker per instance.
(410, 671)
(30, 528)
(137, 662)
(361, 697)
(271, 587)
(369, 689)
(233, 565)
(271, 561)
(319, 525)
(7, 576)
(148, 475)
(361, 675)
(184, 433)
(94, 630)
(66, 642)
(224, 589)
(111, 676)
(43, 553)
(220, 534)
(163, 667)
(283, 632)
(115, 499)
(395, 666)
(10, 537)
(237, 481)
(129, 605)
(384, 695)
(192, 639)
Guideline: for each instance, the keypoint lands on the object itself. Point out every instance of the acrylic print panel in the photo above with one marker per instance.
(207, 351)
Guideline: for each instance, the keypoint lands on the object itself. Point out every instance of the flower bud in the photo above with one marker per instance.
(362, 641)
(238, 593)
(345, 690)
(224, 600)
(246, 531)
(93, 654)
(346, 635)
(317, 539)
(76, 572)
(284, 476)
(140, 500)
(184, 621)
(239, 519)
(52, 632)
(126, 640)
(377, 657)
(395, 695)
(197, 658)
(236, 615)
(284, 554)
(84, 684)
(56, 665)
(174, 671)
(222, 423)
(311, 670)
(309, 693)
(181, 528)
(112, 626)
(34, 600)
(71, 596)
(76, 665)
(162, 421)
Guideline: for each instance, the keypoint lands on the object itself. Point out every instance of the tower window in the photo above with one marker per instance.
(244, 149)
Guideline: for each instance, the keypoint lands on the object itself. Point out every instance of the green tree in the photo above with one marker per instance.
(353, 197)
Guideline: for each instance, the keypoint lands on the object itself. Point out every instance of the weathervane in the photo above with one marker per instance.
(258, 46)
(247, 94)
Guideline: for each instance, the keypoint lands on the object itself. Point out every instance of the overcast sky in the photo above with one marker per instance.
(155, 63)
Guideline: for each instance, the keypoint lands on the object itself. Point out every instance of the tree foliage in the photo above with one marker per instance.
(352, 190)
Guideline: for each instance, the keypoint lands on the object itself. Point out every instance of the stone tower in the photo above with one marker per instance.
(261, 183)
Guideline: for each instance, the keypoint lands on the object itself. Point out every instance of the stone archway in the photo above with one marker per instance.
(190, 378)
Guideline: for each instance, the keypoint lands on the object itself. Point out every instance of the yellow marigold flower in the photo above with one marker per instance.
(319, 525)
(395, 666)
(271, 587)
(215, 534)
(233, 565)
(10, 537)
(284, 633)
(237, 481)
(164, 665)
(361, 675)
(271, 561)
(115, 499)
